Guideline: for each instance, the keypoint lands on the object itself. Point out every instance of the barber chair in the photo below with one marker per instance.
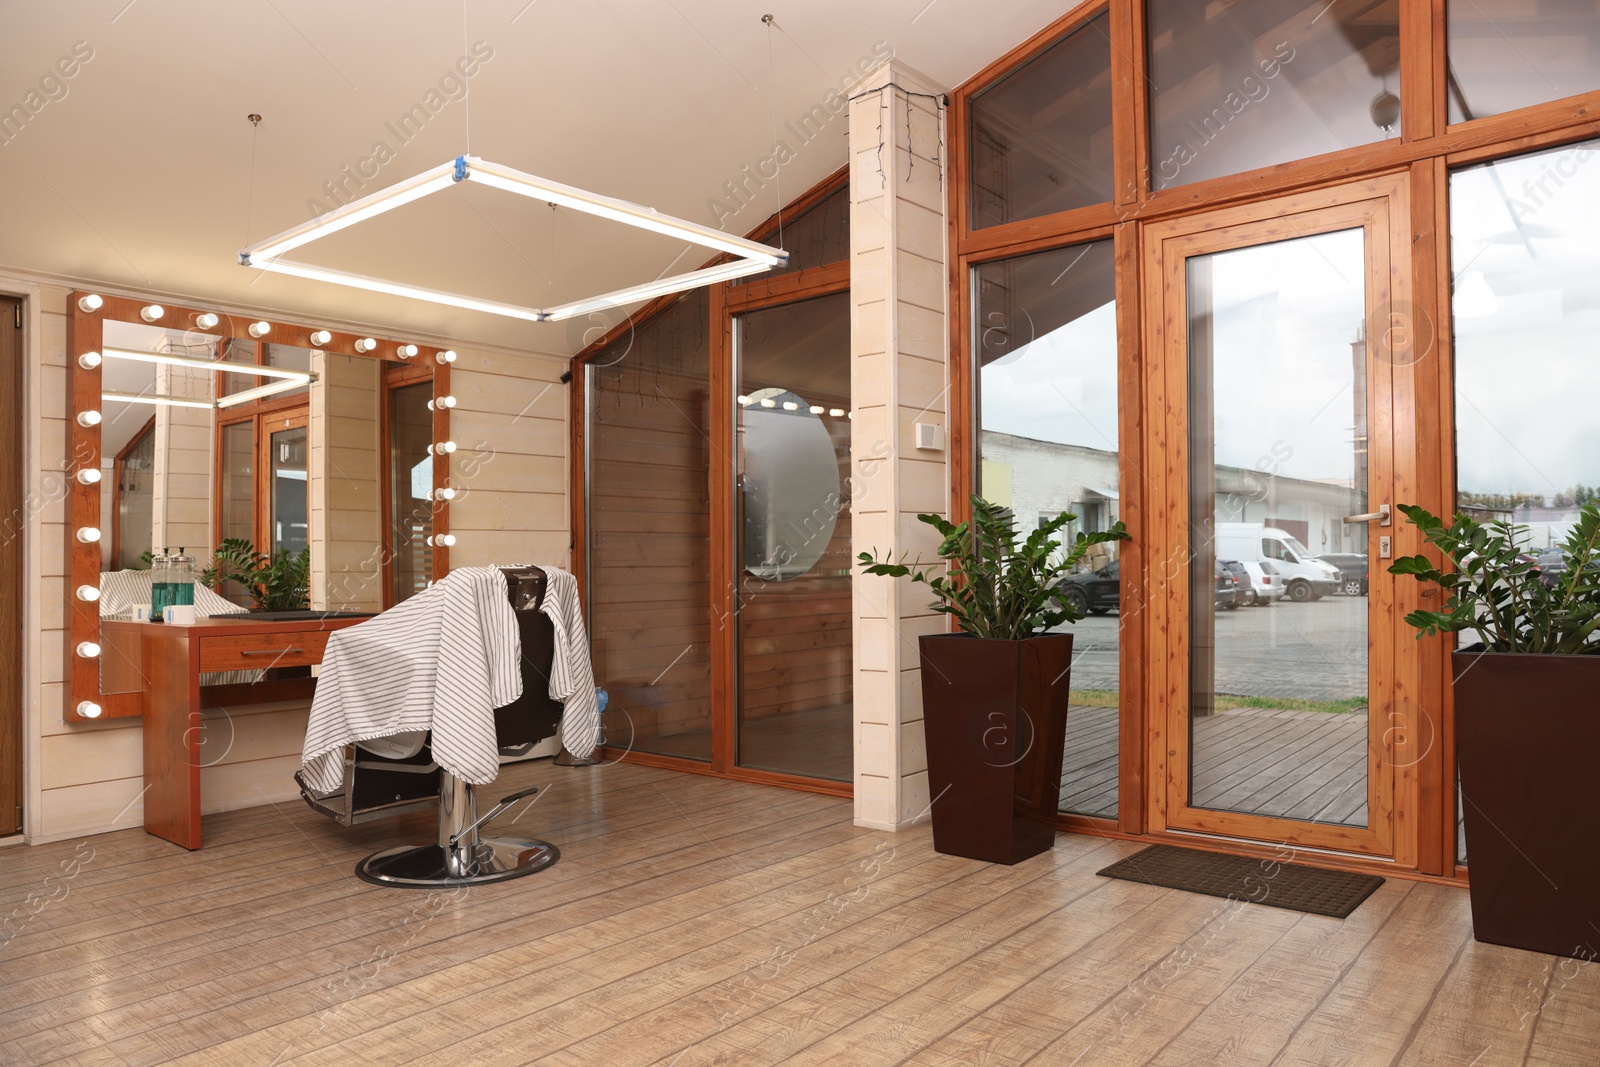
(390, 776)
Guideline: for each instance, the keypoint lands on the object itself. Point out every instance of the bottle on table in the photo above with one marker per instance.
(160, 583)
(180, 579)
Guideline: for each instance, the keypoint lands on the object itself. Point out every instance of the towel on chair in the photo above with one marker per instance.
(571, 675)
(442, 661)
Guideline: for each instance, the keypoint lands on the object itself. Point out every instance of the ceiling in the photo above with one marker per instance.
(141, 171)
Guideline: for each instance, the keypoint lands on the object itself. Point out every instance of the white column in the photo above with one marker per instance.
(899, 380)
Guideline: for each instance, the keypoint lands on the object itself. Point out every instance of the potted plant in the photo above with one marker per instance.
(994, 696)
(1527, 726)
(281, 584)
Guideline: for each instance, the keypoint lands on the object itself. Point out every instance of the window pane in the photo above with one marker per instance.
(1506, 55)
(1250, 84)
(816, 237)
(1041, 138)
(1047, 352)
(793, 564)
(649, 558)
(1527, 310)
(411, 487)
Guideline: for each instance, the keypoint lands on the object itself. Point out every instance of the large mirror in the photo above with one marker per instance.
(296, 468)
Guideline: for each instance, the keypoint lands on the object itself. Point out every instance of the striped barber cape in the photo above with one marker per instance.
(441, 661)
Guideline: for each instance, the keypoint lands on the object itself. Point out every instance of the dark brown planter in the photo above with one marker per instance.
(1528, 743)
(995, 717)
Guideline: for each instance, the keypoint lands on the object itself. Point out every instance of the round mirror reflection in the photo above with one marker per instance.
(790, 488)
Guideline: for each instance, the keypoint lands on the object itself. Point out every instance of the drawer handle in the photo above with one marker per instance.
(270, 651)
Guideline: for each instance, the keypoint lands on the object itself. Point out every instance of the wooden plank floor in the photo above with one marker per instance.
(1293, 764)
(695, 921)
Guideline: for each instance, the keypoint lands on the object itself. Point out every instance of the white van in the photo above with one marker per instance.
(1303, 577)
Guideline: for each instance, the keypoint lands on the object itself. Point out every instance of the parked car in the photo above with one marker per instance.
(1552, 566)
(1228, 591)
(1352, 568)
(1093, 592)
(1266, 583)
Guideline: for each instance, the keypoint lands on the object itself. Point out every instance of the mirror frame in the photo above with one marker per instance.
(85, 333)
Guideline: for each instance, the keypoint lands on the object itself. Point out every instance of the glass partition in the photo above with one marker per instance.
(649, 534)
(1237, 86)
(1046, 339)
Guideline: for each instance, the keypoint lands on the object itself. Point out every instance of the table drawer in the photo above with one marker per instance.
(249, 652)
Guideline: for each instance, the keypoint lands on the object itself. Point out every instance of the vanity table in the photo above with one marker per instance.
(171, 659)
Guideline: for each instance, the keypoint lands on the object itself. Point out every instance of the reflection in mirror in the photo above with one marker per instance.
(790, 471)
(411, 487)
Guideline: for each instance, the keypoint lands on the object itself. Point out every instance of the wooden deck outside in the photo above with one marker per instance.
(1295, 764)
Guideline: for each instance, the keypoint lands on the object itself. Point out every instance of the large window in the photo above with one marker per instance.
(1526, 268)
(1041, 138)
(1046, 344)
(1237, 86)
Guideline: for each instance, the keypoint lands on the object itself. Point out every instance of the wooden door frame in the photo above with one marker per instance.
(1380, 205)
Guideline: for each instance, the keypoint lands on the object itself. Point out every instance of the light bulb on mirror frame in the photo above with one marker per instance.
(258, 330)
(405, 351)
(444, 493)
(447, 356)
(90, 360)
(443, 448)
(88, 649)
(152, 312)
(88, 709)
(87, 593)
(88, 419)
(89, 303)
(319, 338)
(206, 321)
(365, 345)
(88, 534)
(89, 476)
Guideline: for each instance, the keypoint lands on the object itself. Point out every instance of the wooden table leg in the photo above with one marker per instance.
(171, 738)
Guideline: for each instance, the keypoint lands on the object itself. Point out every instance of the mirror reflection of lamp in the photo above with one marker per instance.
(790, 484)
(1474, 299)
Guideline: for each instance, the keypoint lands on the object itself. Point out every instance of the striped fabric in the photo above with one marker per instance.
(442, 661)
(571, 674)
(120, 591)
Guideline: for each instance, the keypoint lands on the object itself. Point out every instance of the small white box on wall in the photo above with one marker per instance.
(930, 436)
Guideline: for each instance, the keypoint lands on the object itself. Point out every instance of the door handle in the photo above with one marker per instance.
(1381, 516)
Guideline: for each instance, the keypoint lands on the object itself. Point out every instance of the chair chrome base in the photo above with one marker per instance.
(493, 859)
(461, 857)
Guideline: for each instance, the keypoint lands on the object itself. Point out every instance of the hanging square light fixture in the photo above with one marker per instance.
(752, 258)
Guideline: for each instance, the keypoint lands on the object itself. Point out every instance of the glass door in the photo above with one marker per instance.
(792, 565)
(1279, 628)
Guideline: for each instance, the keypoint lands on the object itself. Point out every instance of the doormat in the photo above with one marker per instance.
(1259, 881)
